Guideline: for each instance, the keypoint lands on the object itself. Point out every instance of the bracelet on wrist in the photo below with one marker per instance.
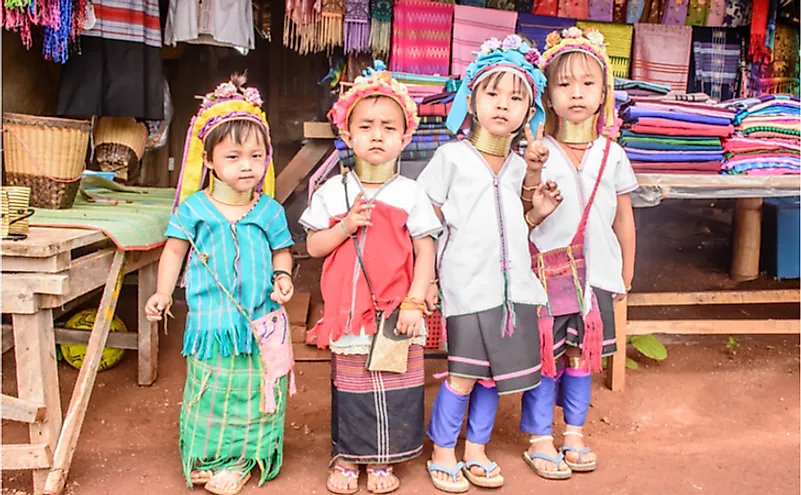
(530, 224)
(280, 273)
(529, 188)
(342, 226)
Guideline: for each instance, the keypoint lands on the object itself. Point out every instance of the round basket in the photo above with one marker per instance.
(120, 159)
(46, 154)
(121, 130)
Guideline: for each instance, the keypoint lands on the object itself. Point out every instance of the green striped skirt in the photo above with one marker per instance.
(221, 425)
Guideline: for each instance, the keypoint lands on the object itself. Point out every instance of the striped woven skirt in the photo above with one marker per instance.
(221, 425)
(377, 417)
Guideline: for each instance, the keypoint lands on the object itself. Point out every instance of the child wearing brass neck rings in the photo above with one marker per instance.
(592, 232)
(490, 296)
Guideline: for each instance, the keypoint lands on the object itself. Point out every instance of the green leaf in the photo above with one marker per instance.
(604, 362)
(732, 344)
(632, 364)
(649, 346)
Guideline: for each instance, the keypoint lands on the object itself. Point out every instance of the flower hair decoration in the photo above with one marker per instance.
(591, 42)
(511, 54)
(231, 100)
(374, 81)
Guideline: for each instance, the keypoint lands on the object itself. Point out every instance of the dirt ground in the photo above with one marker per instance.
(704, 421)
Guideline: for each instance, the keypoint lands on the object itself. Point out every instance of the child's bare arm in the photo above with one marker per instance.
(172, 258)
(282, 260)
(423, 267)
(626, 236)
(321, 243)
(283, 287)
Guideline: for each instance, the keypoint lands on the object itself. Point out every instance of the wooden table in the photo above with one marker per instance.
(47, 273)
(747, 224)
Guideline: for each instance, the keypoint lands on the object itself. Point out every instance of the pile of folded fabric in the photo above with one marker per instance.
(429, 136)
(664, 135)
(640, 88)
(767, 139)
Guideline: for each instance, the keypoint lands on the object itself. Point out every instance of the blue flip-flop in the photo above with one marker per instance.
(453, 485)
(485, 481)
(579, 467)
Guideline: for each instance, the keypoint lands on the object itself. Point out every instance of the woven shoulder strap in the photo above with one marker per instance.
(577, 238)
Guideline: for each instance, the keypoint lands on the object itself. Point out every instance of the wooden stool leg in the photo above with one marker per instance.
(148, 332)
(37, 379)
(747, 238)
(62, 458)
(616, 367)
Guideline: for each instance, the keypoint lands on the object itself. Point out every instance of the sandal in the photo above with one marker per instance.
(578, 466)
(454, 485)
(485, 481)
(243, 479)
(381, 473)
(350, 474)
(200, 477)
(557, 474)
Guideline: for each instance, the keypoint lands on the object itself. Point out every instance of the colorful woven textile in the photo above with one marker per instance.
(300, 24)
(472, 27)
(524, 6)
(421, 37)
(738, 13)
(654, 10)
(697, 12)
(357, 26)
(501, 4)
(661, 54)
(474, 3)
(537, 27)
(618, 38)
(675, 13)
(619, 11)
(634, 11)
(601, 10)
(717, 13)
(331, 23)
(545, 8)
(714, 63)
(577, 9)
(380, 28)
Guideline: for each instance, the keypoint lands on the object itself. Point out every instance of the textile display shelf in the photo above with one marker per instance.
(58, 266)
(748, 192)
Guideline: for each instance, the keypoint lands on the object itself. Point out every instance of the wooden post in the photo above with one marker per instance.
(62, 457)
(747, 226)
(616, 367)
(37, 380)
(148, 332)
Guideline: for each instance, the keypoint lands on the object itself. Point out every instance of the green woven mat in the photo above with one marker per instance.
(135, 226)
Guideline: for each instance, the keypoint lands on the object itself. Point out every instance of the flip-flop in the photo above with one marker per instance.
(579, 467)
(544, 473)
(351, 474)
(381, 473)
(454, 485)
(243, 479)
(485, 481)
(203, 477)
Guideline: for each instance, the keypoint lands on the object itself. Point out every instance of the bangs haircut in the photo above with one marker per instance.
(560, 70)
(238, 130)
(492, 82)
(374, 99)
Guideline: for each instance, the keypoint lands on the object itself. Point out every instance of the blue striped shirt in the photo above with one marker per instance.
(240, 254)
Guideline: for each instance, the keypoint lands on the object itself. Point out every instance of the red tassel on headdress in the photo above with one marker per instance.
(546, 344)
(592, 346)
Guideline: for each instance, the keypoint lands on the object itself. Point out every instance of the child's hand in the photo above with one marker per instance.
(432, 298)
(283, 289)
(358, 216)
(628, 277)
(544, 201)
(156, 305)
(409, 322)
(536, 153)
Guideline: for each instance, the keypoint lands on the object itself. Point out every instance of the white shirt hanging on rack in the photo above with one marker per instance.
(211, 22)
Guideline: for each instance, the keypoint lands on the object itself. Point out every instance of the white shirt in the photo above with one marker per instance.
(485, 229)
(217, 22)
(399, 192)
(604, 258)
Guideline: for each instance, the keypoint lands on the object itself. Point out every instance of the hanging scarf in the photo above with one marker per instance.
(675, 13)
(654, 10)
(698, 12)
(55, 44)
(421, 37)
(789, 10)
(601, 10)
(661, 54)
(576, 9)
(619, 11)
(300, 25)
(501, 4)
(634, 11)
(717, 12)
(545, 8)
(380, 27)
(331, 25)
(770, 34)
(714, 63)
(357, 26)
(759, 25)
(738, 13)
(524, 6)
(475, 3)
(537, 27)
(617, 39)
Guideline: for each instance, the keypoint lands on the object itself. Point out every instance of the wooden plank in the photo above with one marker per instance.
(616, 364)
(147, 333)
(306, 353)
(44, 242)
(21, 410)
(315, 313)
(298, 308)
(54, 264)
(39, 283)
(8, 338)
(299, 167)
(19, 299)
(713, 327)
(73, 421)
(89, 272)
(116, 340)
(786, 182)
(718, 297)
(318, 130)
(37, 380)
(25, 456)
(298, 333)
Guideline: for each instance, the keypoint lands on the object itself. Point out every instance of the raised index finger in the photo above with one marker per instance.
(540, 132)
(529, 135)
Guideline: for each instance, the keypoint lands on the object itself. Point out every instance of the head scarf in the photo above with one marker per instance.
(230, 101)
(510, 55)
(591, 42)
(374, 81)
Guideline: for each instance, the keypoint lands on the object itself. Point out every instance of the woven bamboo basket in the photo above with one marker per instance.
(119, 146)
(14, 204)
(46, 154)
